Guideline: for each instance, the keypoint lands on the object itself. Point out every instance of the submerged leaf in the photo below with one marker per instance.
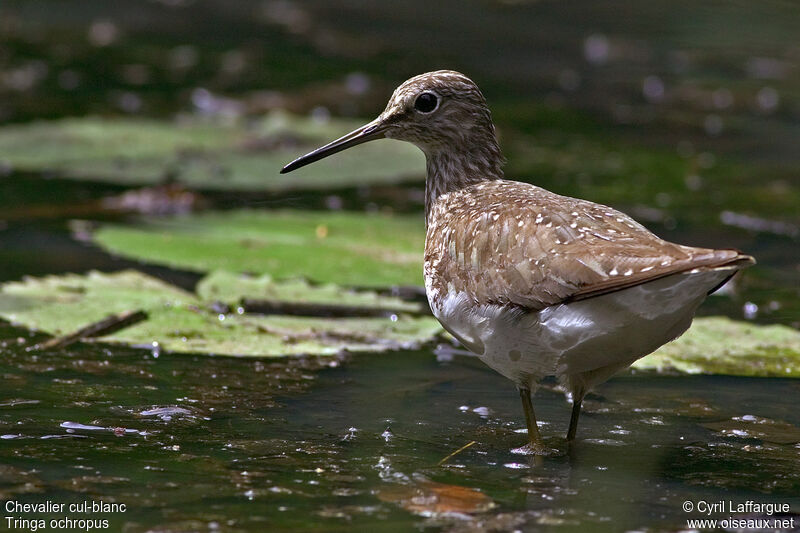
(429, 498)
(718, 345)
(357, 249)
(203, 155)
(182, 322)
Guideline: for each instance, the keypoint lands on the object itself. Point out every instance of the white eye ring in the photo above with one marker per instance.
(427, 102)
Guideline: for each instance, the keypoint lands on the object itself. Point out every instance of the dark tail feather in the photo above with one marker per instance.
(740, 262)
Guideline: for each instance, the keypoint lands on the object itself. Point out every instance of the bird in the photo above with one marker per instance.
(535, 283)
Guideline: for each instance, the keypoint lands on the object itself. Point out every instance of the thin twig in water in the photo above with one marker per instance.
(107, 325)
(464, 447)
(277, 307)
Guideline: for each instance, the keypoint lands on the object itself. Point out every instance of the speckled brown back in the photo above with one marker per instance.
(505, 242)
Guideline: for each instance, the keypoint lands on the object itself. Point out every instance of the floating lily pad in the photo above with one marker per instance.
(354, 249)
(203, 155)
(231, 288)
(718, 345)
(182, 322)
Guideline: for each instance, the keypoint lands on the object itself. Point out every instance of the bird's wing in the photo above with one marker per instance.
(513, 243)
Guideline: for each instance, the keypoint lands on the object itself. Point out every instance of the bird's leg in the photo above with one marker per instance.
(577, 399)
(530, 419)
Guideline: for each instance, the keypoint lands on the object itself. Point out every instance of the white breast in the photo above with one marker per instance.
(582, 342)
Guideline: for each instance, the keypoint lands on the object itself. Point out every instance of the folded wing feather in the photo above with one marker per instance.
(531, 248)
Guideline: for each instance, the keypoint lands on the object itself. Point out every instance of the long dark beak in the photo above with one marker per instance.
(368, 132)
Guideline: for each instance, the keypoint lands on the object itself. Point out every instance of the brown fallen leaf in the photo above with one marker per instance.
(428, 497)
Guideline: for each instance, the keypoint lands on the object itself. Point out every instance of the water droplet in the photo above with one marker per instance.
(766, 68)
(129, 102)
(693, 182)
(357, 83)
(103, 33)
(767, 99)
(653, 88)
(334, 202)
(481, 411)
(596, 49)
(320, 115)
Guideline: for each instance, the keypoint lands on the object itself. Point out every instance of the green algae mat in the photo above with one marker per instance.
(719, 345)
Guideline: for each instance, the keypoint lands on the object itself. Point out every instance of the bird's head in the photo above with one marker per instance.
(437, 111)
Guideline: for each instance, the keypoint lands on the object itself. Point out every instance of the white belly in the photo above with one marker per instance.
(583, 342)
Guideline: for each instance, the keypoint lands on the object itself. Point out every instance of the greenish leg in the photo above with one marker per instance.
(530, 419)
(576, 413)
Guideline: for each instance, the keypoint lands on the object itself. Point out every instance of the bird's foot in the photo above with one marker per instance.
(534, 448)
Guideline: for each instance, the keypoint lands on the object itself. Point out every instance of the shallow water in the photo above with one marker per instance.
(192, 443)
(204, 443)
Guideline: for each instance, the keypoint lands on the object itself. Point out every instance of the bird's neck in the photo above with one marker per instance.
(451, 168)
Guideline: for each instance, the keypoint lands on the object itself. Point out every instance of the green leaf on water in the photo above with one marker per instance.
(204, 155)
(230, 288)
(62, 304)
(183, 322)
(718, 345)
(355, 249)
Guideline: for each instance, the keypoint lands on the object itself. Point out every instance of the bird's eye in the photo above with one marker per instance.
(426, 102)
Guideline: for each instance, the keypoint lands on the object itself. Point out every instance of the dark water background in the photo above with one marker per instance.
(209, 443)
